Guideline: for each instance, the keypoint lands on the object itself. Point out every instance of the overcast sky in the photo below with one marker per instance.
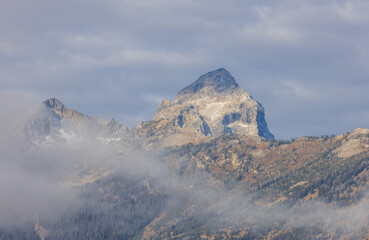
(307, 62)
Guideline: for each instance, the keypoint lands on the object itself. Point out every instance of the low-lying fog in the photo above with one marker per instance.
(42, 182)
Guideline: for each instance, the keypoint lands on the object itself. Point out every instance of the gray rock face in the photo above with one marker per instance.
(220, 81)
(51, 118)
(212, 106)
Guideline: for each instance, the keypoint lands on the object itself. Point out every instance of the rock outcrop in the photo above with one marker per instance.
(212, 106)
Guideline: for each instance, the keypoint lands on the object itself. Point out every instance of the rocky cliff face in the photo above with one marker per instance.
(212, 106)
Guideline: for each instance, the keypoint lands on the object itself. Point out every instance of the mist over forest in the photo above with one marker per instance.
(83, 186)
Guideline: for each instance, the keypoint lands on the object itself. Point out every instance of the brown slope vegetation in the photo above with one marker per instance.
(332, 170)
(277, 168)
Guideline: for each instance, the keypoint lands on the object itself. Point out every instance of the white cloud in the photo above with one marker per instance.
(296, 89)
(270, 27)
(137, 57)
(80, 40)
(355, 11)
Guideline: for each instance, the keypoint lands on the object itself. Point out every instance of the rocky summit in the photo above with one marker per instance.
(212, 106)
(51, 119)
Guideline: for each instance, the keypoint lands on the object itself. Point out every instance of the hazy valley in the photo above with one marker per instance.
(205, 167)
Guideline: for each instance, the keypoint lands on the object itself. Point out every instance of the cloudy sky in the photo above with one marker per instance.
(307, 62)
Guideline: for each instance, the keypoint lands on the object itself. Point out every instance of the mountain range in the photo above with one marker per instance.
(205, 167)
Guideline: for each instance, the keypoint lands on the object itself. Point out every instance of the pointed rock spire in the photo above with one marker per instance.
(218, 81)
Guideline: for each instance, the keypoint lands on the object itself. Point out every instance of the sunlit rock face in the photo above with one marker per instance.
(212, 106)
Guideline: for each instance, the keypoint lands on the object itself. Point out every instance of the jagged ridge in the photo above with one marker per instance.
(49, 117)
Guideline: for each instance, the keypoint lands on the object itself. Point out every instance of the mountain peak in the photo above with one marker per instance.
(56, 106)
(212, 106)
(54, 103)
(219, 80)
